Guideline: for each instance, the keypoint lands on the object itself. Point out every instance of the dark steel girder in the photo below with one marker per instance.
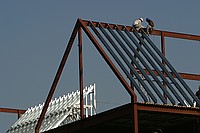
(57, 77)
(107, 59)
(156, 32)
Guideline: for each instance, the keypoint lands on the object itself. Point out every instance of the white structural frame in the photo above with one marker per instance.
(61, 111)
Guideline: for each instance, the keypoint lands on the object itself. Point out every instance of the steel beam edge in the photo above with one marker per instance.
(156, 32)
(9, 110)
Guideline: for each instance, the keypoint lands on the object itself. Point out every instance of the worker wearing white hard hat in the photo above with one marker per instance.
(137, 24)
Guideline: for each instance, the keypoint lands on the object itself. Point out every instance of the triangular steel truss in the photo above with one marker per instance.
(138, 59)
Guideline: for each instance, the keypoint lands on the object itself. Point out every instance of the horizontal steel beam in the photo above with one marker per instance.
(156, 32)
(16, 111)
(177, 35)
(183, 75)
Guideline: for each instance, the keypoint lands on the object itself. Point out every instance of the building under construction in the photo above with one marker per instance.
(168, 103)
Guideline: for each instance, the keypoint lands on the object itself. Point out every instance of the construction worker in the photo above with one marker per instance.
(150, 26)
(138, 24)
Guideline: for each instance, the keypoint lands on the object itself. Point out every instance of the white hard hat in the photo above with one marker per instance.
(141, 19)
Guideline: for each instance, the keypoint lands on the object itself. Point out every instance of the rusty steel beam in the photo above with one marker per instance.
(57, 77)
(156, 32)
(177, 35)
(15, 111)
(135, 115)
(163, 62)
(183, 75)
(81, 72)
(190, 76)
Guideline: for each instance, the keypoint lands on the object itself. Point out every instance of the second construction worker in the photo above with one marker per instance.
(150, 26)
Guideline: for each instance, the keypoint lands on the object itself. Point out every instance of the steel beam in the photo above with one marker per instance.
(152, 63)
(183, 75)
(177, 35)
(107, 59)
(144, 63)
(15, 111)
(156, 32)
(135, 115)
(163, 62)
(81, 72)
(189, 76)
(137, 64)
(57, 77)
(121, 64)
(174, 71)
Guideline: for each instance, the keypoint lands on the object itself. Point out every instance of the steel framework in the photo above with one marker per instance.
(83, 24)
(61, 111)
(112, 33)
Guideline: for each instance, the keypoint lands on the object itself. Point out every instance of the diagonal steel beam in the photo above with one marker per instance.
(118, 60)
(153, 65)
(107, 59)
(138, 68)
(130, 65)
(157, 33)
(175, 73)
(57, 77)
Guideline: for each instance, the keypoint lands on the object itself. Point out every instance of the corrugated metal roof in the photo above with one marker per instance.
(62, 110)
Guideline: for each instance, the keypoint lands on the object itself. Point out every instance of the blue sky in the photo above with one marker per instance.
(34, 35)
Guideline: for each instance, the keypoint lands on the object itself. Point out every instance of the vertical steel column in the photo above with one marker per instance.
(81, 72)
(135, 114)
(18, 114)
(164, 53)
